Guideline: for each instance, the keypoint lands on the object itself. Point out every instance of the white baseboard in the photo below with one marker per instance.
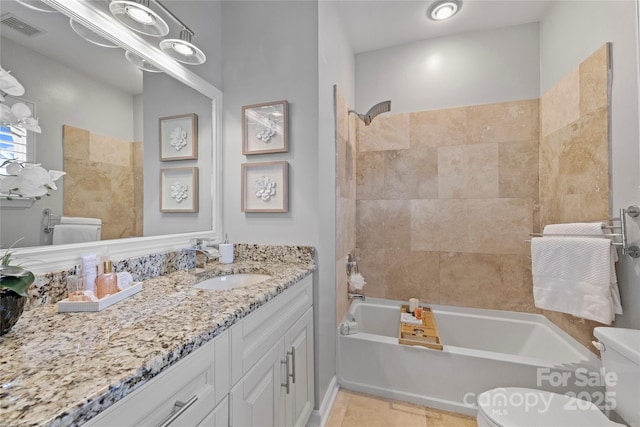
(320, 416)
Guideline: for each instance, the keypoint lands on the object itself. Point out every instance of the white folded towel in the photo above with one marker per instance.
(573, 275)
(592, 228)
(72, 233)
(80, 220)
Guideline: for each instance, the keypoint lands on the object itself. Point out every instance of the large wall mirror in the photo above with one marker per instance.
(101, 123)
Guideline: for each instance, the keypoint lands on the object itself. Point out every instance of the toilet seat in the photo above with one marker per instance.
(524, 407)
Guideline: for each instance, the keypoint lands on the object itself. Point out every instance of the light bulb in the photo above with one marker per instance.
(444, 9)
(183, 49)
(140, 15)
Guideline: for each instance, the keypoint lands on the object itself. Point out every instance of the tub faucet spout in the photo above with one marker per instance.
(356, 296)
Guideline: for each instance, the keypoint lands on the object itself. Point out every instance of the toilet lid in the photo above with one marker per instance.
(524, 407)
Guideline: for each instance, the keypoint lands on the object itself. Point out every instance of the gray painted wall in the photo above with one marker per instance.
(164, 97)
(63, 97)
(336, 67)
(270, 53)
(466, 69)
(570, 32)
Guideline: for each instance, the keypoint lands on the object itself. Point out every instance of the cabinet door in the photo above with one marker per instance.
(219, 417)
(257, 400)
(299, 348)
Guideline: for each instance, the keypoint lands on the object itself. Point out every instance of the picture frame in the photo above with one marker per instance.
(179, 189)
(178, 137)
(265, 187)
(264, 128)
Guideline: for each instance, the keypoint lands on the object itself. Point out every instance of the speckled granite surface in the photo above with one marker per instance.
(63, 369)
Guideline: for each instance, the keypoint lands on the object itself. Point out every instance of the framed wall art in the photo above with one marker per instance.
(265, 187)
(179, 137)
(264, 128)
(179, 190)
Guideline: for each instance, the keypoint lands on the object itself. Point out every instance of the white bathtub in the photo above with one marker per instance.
(483, 349)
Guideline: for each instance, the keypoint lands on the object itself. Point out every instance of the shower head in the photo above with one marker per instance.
(379, 108)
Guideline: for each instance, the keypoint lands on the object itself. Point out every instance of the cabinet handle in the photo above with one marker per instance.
(286, 385)
(292, 353)
(179, 408)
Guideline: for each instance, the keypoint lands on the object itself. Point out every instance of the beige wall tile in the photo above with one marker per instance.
(370, 175)
(75, 142)
(560, 106)
(439, 225)
(468, 171)
(342, 300)
(397, 224)
(499, 226)
(370, 224)
(386, 132)
(517, 285)
(342, 114)
(518, 169)
(343, 174)
(412, 275)
(138, 187)
(411, 174)
(594, 77)
(503, 122)
(345, 226)
(595, 206)
(438, 127)
(112, 151)
(470, 280)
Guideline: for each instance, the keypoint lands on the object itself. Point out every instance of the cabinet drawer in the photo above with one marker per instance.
(257, 333)
(200, 381)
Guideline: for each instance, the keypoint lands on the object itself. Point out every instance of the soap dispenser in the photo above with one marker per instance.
(107, 282)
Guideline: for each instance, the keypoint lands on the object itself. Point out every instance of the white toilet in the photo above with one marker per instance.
(520, 407)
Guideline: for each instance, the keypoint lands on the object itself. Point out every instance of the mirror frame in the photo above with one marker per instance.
(42, 259)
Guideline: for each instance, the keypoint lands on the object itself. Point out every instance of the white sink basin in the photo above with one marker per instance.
(232, 281)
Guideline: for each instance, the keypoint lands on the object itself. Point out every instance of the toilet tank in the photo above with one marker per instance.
(621, 362)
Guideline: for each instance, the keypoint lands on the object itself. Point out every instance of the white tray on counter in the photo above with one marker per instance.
(66, 306)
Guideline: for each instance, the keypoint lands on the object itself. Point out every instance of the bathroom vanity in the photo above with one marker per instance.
(170, 354)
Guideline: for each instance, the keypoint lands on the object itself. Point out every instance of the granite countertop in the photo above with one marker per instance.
(60, 369)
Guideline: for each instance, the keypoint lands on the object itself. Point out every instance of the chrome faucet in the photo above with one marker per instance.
(210, 251)
(352, 295)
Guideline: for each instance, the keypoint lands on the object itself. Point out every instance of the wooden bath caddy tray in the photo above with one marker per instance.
(425, 335)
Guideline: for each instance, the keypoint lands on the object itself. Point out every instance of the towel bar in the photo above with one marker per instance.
(632, 250)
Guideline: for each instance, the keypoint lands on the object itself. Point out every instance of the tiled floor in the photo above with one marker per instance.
(352, 409)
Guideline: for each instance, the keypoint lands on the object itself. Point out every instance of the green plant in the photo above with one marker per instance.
(14, 277)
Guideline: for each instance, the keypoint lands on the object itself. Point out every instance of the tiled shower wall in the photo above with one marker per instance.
(574, 158)
(104, 177)
(345, 196)
(445, 202)
(447, 198)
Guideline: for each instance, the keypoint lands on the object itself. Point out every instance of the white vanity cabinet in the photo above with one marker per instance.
(272, 362)
(258, 373)
(190, 393)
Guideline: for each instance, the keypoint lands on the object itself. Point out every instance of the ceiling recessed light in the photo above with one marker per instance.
(444, 9)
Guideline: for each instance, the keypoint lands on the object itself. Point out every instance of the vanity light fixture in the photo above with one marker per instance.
(90, 35)
(137, 15)
(444, 9)
(37, 5)
(141, 63)
(182, 49)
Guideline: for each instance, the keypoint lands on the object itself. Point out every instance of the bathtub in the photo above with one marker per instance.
(483, 349)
